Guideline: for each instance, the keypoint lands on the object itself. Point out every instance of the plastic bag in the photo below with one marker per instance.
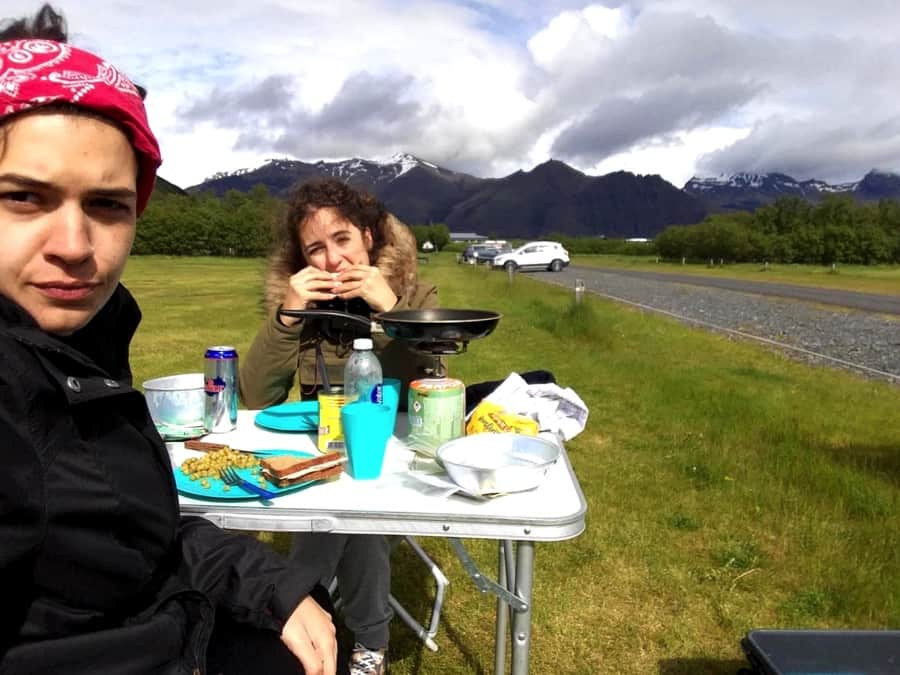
(490, 417)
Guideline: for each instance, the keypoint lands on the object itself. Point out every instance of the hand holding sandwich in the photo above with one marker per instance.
(310, 635)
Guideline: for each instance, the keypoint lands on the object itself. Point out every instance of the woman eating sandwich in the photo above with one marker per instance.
(338, 248)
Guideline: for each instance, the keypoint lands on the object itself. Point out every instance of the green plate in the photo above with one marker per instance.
(217, 491)
(172, 433)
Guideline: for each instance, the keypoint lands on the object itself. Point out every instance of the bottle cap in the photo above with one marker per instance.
(362, 343)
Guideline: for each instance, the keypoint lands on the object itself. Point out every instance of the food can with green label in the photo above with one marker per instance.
(436, 411)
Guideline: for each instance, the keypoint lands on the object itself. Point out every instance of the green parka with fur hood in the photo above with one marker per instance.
(280, 352)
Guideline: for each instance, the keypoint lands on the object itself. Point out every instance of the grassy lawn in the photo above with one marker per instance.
(728, 488)
(864, 278)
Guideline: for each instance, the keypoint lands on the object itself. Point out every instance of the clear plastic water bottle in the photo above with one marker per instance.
(362, 373)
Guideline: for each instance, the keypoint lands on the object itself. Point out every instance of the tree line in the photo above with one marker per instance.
(791, 230)
(237, 224)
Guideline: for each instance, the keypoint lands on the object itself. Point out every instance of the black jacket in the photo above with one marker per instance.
(98, 572)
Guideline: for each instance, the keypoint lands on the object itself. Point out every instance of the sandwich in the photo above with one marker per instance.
(286, 470)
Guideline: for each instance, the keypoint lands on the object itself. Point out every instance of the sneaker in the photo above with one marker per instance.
(364, 661)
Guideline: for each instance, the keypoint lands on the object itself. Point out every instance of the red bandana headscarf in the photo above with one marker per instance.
(38, 72)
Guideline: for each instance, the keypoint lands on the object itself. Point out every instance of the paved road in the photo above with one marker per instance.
(811, 324)
(869, 302)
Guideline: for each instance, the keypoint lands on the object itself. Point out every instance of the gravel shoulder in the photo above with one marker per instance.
(824, 322)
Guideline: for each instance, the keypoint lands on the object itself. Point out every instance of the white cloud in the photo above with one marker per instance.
(605, 20)
(576, 37)
(490, 86)
(674, 157)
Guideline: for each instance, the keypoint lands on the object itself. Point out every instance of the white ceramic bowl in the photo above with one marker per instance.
(490, 463)
(176, 400)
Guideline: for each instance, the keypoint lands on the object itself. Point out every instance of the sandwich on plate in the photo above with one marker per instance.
(286, 470)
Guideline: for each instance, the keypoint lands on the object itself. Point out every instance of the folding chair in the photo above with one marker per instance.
(441, 583)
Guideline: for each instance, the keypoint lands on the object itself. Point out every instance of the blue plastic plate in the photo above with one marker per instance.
(216, 489)
(293, 416)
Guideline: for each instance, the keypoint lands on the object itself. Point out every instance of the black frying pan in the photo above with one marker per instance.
(438, 325)
(413, 325)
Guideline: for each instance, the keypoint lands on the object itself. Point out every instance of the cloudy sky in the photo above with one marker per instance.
(672, 87)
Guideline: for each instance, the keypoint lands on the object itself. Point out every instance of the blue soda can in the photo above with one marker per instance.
(220, 376)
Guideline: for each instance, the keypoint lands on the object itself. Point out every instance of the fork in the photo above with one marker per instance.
(230, 477)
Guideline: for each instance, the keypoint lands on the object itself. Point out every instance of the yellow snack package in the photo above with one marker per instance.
(490, 417)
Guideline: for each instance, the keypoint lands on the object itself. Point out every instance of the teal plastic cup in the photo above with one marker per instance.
(390, 391)
(367, 428)
(390, 396)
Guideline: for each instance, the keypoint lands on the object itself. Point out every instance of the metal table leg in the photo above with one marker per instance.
(502, 615)
(521, 619)
(514, 594)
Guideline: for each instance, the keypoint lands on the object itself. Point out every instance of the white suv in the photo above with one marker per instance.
(535, 255)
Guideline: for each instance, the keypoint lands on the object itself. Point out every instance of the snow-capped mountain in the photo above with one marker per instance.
(423, 192)
(552, 197)
(376, 171)
(747, 191)
(355, 170)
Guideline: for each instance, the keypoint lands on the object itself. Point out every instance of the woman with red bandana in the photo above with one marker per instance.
(98, 572)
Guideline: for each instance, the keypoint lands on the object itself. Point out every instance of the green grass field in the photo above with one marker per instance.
(864, 278)
(728, 487)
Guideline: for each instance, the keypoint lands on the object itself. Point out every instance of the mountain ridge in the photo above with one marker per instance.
(746, 191)
(551, 198)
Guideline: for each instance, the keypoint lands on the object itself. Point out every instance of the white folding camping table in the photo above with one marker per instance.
(398, 504)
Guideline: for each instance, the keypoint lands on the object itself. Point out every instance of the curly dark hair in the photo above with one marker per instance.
(46, 24)
(360, 208)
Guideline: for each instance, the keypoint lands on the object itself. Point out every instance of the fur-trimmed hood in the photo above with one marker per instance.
(397, 262)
